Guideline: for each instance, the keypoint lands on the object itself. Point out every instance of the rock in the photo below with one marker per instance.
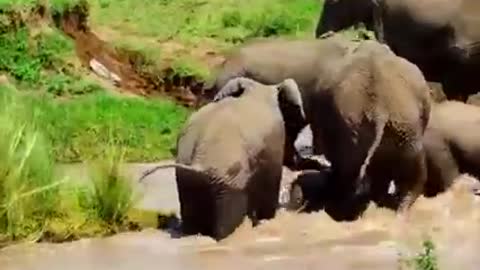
(103, 71)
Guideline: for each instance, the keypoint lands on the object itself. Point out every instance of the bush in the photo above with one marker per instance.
(425, 260)
(28, 192)
(111, 195)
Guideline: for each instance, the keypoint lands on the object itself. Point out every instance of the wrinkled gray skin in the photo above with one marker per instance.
(229, 157)
(440, 37)
(452, 144)
(370, 119)
(272, 61)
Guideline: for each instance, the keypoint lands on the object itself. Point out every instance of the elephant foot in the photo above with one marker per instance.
(347, 209)
(308, 191)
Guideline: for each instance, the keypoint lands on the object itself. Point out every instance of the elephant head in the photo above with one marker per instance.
(234, 88)
(341, 14)
(289, 101)
(288, 94)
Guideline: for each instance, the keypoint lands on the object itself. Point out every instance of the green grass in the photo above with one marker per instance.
(37, 62)
(40, 64)
(424, 260)
(112, 194)
(80, 128)
(226, 20)
(55, 113)
(215, 24)
(34, 205)
(28, 192)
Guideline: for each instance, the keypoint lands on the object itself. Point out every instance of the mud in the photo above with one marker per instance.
(132, 72)
(289, 241)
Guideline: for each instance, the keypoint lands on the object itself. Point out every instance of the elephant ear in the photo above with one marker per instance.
(234, 88)
(288, 92)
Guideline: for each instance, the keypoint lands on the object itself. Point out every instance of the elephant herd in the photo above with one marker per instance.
(369, 105)
(441, 37)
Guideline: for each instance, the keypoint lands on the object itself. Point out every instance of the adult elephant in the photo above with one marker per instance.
(273, 60)
(341, 14)
(449, 154)
(452, 145)
(371, 115)
(440, 37)
(229, 156)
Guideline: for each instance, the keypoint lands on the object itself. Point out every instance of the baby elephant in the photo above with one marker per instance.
(452, 144)
(230, 154)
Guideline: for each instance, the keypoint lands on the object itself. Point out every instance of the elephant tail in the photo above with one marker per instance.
(379, 130)
(170, 165)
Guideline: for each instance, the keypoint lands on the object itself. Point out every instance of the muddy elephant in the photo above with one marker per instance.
(452, 145)
(441, 37)
(229, 156)
(272, 61)
(370, 119)
(452, 148)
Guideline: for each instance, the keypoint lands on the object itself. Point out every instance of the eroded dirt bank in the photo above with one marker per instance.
(125, 68)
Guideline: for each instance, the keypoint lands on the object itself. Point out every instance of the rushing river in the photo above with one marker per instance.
(289, 241)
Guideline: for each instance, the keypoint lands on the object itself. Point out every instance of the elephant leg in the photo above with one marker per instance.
(380, 195)
(267, 193)
(442, 168)
(411, 181)
(196, 202)
(231, 207)
(343, 202)
(318, 143)
(454, 88)
(290, 153)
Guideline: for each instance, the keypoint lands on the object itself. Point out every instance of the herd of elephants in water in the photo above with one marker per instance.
(374, 108)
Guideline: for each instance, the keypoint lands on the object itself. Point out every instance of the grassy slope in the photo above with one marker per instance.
(188, 35)
(55, 109)
(181, 32)
(78, 113)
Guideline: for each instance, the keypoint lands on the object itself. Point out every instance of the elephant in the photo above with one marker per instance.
(272, 61)
(370, 118)
(341, 14)
(449, 151)
(441, 37)
(452, 145)
(307, 192)
(229, 156)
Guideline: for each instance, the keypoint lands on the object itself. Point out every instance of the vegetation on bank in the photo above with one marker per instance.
(37, 205)
(186, 29)
(77, 111)
(426, 259)
(53, 109)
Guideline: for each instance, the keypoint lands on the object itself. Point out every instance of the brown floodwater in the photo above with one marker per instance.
(289, 241)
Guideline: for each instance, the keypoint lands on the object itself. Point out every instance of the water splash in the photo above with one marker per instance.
(291, 240)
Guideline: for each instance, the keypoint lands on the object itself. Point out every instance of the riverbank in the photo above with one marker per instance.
(107, 83)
